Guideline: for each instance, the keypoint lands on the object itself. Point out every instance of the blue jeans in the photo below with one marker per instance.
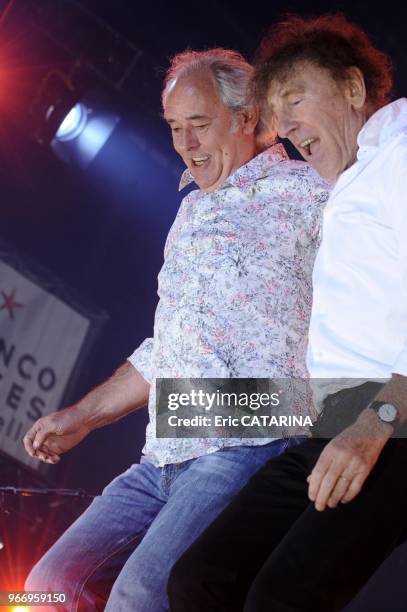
(135, 531)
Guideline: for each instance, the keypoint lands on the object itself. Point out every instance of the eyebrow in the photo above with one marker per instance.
(292, 90)
(190, 118)
(288, 92)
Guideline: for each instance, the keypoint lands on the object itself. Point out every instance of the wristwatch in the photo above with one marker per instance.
(387, 413)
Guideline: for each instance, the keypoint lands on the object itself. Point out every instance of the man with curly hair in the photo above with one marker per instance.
(312, 525)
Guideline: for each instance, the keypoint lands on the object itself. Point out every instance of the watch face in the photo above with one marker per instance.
(387, 413)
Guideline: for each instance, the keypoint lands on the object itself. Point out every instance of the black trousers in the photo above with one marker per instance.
(271, 551)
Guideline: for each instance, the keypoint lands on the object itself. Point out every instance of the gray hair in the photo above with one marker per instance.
(231, 73)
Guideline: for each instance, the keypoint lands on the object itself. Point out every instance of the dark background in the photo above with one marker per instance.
(102, 231)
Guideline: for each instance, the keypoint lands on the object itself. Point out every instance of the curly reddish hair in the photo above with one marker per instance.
(329, 41)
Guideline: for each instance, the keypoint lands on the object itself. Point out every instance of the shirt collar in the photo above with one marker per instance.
(245, 176)
(186, 179)
(382, 126)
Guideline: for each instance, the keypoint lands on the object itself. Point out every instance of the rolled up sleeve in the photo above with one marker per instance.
(141, 359)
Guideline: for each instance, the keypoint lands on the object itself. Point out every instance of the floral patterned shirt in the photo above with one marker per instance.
(235, 287)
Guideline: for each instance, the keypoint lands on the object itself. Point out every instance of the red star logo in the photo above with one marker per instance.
(9, 303)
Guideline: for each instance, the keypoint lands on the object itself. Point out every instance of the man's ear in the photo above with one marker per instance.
(249, 119)
(355, 88)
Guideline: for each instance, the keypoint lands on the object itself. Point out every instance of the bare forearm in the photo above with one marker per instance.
(348, 459)
(121, 394)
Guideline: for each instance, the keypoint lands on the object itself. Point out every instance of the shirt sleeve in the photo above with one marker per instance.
(395, 198)
(141, 359)
(311, 193)
(318, 194)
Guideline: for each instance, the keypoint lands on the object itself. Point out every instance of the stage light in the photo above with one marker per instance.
(2, 545)
(83, 132)
(55, 99)
(73, 123)
(76, 126)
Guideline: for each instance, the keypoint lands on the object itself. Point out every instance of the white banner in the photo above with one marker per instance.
(41, 338)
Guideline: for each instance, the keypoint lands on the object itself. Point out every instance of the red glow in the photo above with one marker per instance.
(7, 8)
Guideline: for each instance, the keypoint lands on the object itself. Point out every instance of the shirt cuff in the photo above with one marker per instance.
(141, 359)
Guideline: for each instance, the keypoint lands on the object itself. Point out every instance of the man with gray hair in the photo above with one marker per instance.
(235, 296)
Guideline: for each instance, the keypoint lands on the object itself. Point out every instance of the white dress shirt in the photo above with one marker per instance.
(358, 323)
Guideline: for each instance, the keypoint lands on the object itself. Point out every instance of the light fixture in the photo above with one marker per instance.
(73, 123)
(55, 100)
(76, 126)
(83, 132)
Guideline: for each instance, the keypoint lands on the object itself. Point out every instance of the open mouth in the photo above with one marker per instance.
(199, 161)
(306, 146)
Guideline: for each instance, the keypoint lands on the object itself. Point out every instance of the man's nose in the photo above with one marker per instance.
(286, 125)
(188, 140)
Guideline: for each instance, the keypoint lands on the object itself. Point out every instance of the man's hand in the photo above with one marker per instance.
(55, 433)
(346, 462)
